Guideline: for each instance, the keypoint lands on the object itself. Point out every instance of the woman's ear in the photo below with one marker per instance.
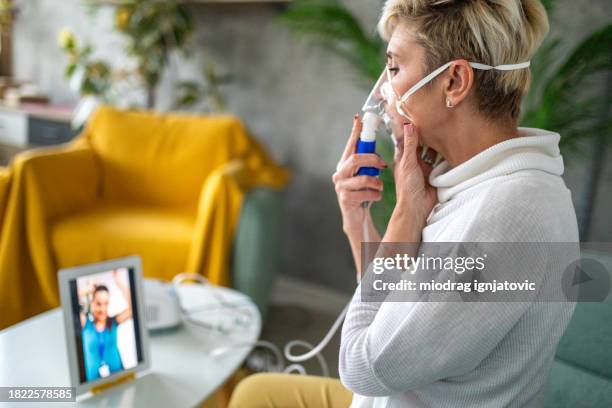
(460, 80)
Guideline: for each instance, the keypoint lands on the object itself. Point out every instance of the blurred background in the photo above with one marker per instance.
(295, 73)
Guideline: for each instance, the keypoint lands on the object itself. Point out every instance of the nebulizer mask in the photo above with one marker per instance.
(373, 115)
(383, 92)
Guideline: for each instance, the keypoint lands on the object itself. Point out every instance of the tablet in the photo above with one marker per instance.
(105, 330)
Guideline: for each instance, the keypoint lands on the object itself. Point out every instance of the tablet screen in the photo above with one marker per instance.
(106, 326)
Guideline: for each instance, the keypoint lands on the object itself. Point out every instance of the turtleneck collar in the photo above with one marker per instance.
(533, 149)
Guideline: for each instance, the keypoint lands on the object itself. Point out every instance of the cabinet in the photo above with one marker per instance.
(32, 126)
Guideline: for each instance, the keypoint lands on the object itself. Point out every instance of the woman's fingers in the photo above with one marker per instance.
(359, 183)
(351, 144)
(356, 190)
(354, 162)
(412, 154)
(358, 197)
(411, 144)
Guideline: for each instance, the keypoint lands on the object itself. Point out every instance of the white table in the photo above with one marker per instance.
(182, 374)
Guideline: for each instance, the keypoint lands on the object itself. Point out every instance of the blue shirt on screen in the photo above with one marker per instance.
(100, 348)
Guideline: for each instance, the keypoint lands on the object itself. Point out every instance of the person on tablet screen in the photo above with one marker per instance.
(99, 331)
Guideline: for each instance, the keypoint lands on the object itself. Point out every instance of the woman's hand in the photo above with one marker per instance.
(415, 196)
(353, 190)
(91, 288)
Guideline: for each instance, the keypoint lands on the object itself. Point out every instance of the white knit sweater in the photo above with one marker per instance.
(450, 354)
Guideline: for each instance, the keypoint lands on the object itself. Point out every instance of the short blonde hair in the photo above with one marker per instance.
(492, 32)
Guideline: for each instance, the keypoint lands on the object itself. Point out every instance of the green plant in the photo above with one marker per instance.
(330, 24)
(194, 92)
(154, 28)
(88, 76)
(560, 99)
(567, 97)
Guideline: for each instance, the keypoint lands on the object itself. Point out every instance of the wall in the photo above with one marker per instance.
(297, 98)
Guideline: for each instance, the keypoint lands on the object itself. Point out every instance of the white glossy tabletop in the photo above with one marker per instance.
(182, 374)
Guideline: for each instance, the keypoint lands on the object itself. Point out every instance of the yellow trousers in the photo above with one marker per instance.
(271, 390)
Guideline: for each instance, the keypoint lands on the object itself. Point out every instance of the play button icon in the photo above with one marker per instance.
(580, 276)
(586, 280)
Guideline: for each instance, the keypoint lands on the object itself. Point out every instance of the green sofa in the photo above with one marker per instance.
(581, 376)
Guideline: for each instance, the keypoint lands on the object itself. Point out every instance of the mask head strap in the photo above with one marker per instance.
(504, 67)
(422, 82)
(475, 65)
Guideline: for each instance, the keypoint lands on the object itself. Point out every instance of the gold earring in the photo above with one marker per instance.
(449, 104)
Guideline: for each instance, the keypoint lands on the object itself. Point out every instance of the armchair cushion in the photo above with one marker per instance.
(161, 160)
(160, 236)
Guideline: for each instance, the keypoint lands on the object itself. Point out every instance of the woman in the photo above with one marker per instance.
(99, 334)
(497, 183)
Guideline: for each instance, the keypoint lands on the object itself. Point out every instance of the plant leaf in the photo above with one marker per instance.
(566, 104)
(332, 25)
(549, 5)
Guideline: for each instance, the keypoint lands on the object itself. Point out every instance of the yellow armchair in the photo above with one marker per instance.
(5, 185)
(166, 187)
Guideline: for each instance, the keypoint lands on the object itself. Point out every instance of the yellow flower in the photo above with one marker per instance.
(122, 17)
(66, 39)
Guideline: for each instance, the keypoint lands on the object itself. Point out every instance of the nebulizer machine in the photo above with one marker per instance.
(374, 115)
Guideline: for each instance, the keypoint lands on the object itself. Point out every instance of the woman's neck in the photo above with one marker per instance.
(100, 324)
(469, 138)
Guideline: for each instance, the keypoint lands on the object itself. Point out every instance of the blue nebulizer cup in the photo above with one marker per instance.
(367, 141)
(374, 114)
